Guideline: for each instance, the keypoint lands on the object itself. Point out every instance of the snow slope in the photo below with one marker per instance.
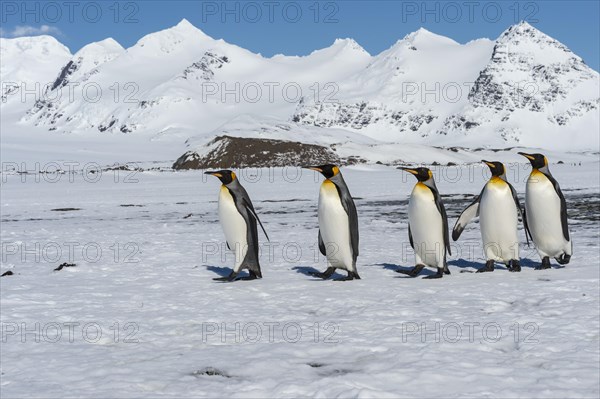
(27, 63)
(532, 334)
(404, 88)
(352, 145)
(186, 66)
(522, 89)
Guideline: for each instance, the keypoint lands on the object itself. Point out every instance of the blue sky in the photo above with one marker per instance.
(299, 27)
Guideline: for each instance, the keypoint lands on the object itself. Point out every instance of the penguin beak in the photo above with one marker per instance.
(217, 174)
(409, 170)
(491, 165)
(530, 157)
(315, 168)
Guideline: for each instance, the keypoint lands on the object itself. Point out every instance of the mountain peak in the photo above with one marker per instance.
(423, 36)
(421, 32)
(187, 28)
(348, 43)
(172, 39)
(43, 43)
(339, 47)
(522, 38)
(106, 46)
(525, 24)
(523, 28)
(185, 24)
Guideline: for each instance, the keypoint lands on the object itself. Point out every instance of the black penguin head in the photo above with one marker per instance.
(497, 168)
(422, 174)
(226, 176)
(537, 160)
(328, 170)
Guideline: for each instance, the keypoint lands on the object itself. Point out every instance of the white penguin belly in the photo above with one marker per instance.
(335, 227)
(542, 206)
(234, 227)
(498, 221)
(426, 226)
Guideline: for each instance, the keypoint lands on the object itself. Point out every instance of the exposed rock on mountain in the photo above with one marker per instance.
(524, 88)
(240, 152)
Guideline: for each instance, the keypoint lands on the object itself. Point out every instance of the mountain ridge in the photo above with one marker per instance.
(425, 89)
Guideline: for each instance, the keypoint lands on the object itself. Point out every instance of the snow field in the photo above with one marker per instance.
(528, 334)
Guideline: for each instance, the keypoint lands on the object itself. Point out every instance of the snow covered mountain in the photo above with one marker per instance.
(403, 92)
(180, 78)
(523, 89)
(25, 62)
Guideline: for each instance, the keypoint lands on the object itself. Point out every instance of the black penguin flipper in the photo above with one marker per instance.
(322, 244)
(521, 212)
(249, 206)
(412, 244)
(251, 261)
(526, 224)
(563, 206)
(350, 208)
(442, 210)
(470, 212)
(445, 227)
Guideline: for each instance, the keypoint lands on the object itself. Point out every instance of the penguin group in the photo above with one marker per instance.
(544, 218)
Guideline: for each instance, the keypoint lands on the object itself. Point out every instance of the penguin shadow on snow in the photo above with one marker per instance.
(401, 269)
(465, 264)
(309, 271)
(526, 262)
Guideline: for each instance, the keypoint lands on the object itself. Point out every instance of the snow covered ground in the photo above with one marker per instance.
(146, 246)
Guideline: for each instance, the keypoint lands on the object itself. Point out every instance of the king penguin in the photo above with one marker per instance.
(498, 209)
(427, 225)
(238, 219)
(546, 213)
(338, 224)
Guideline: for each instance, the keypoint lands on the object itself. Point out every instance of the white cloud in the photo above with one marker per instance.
(27, 30)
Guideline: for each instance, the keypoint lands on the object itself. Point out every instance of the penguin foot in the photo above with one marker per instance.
(439, 274)
(229, 278)
(350, 276)
(325, 275)
(489, 267)
(545, 264)
(514, 266)
(414, 272)
(253, 276)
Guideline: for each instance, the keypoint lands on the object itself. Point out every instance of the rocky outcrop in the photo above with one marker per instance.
(358, 116)
(204, 68)
(240, 152)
